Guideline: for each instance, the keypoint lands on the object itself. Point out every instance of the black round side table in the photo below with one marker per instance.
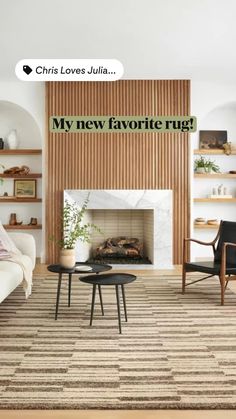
(117, 279)
(96, 268)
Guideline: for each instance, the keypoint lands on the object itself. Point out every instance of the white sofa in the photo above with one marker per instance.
(11, 274)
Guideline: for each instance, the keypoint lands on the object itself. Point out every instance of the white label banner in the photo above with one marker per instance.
(69, 70)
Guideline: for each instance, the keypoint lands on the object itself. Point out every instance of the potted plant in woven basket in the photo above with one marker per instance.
(73, 229)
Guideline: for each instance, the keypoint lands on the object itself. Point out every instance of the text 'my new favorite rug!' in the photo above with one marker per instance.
(175, 351)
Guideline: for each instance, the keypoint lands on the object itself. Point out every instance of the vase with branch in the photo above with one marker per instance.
(73, 228)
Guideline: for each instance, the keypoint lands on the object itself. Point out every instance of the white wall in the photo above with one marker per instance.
(214, 105)
(153, 39)
(30, 97)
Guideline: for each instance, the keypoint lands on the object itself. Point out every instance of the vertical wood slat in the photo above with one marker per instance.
(117, 160)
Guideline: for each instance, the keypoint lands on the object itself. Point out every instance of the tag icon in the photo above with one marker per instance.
(27, 69)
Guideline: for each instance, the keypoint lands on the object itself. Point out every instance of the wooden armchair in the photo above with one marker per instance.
(223, 264)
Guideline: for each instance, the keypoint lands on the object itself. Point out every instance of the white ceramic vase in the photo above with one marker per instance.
(67, 258)
(12, 140)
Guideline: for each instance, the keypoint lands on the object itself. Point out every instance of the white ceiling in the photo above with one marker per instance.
(152, 38)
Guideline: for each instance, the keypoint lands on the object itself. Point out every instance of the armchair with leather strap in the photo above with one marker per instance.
(223, 264)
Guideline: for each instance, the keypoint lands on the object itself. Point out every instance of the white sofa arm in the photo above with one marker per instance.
(26, 244)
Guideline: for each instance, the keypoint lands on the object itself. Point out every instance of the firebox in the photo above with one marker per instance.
(126, 236)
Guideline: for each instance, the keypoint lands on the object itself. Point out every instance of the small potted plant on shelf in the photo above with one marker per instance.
(204, 165)
(1, 179)
(73, 229)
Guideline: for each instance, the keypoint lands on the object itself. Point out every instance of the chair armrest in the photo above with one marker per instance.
(187, 240)
(212, 243)
(200, 242)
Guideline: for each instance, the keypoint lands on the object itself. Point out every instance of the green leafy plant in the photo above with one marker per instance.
(207, 164)
(1, 179)
(73, 227)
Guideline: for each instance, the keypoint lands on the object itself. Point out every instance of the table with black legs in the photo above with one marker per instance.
(96, 269)
(116, 279)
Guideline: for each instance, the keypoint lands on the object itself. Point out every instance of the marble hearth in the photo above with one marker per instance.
(153, 206)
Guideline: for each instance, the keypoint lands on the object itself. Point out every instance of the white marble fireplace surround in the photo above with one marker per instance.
(160, 201)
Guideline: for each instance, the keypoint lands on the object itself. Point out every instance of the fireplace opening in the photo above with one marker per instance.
(127, 236)
(121, 250)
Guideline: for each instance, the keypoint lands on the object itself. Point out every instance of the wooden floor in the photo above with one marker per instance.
(115, 414)
(41, 270)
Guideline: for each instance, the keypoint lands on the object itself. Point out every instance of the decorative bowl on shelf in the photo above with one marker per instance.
(199, 221)
(213, 222)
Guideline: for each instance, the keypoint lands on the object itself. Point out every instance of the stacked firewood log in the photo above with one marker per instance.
(120, 247)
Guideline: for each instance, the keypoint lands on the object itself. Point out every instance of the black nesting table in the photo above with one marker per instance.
(115, 279)
(96, 269)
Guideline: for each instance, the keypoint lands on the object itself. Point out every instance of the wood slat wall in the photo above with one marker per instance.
(117, 160)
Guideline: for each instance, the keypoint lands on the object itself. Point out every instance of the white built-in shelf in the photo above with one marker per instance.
(21, 151)
(215, 175)
(215, 200)
(205, 151)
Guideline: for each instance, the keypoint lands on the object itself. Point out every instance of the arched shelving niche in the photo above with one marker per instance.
(13, 116)
(221, 118)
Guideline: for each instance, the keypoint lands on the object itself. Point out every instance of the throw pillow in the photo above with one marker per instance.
(7, 242)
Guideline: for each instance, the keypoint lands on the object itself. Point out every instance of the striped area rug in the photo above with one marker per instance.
(175, 351)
